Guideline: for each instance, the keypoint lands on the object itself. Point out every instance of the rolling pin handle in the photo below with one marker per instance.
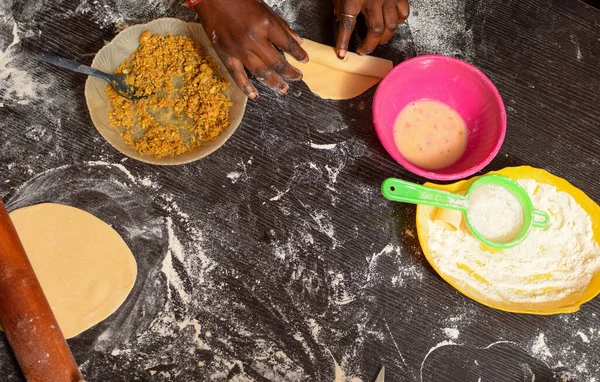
(26, 316)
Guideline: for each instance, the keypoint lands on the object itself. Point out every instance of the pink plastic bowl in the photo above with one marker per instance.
(460, 86)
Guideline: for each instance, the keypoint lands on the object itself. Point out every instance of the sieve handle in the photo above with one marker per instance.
(540, 219)
(407, 192)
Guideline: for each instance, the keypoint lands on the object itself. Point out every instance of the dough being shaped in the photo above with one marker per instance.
(85, 268)
(331, 78)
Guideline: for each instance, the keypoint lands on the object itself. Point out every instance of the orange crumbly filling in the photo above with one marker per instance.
(183, 102)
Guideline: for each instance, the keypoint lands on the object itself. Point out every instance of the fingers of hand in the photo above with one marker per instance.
(287, 27)
(261, 72)
(294, 35)
(375, 27)
(277, 62)
(349, 10)
(236, 69)
(288, 43)
(337, 9)
(403, 10)
(390, 19)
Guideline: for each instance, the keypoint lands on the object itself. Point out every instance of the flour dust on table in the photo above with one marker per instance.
(276, 258)
(542, 358)
(18, 87)
(440, 27)
(287, 9)
(118, 14)
(15, 83)
(31, 99)
(183, 299)
(191, 314)
(478, 364)
(572, 359)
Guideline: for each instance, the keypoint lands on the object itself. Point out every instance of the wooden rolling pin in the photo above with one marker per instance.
(26, 316)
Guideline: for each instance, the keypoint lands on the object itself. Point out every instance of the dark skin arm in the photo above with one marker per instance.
(251, 41)
(382, 17)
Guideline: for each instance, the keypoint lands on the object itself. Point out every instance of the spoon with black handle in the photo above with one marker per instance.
(117, 81)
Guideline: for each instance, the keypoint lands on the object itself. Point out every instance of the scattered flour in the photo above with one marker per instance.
(276, 3)
(281, 251)
(373, 261)
(470, 355)
(451, 333)
(539, 347)
(315, 328)
(439, 26)
(328, 146)
(561, 258)
(578, 54)
(185, 331)
(234, 176)
(341, 294)
(387, 326)
(342, 154)
(439, 345)
(15, 84)
(173, 209)
(173, 279)
(118, 14)
(335, 125)
(147, 182)
(279, 195)
(333, 173)
(407, 273)
(117, 165)
(287, 9)
(584, 337)
(325, 225)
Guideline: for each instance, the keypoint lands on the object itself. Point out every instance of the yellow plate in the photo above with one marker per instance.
(567, 305)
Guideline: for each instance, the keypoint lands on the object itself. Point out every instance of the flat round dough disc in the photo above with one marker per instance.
(85, 268)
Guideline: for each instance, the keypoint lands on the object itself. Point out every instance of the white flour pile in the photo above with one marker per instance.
(495, 213)
(550, 265)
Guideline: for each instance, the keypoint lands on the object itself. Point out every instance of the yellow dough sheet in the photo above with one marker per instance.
(331, 78)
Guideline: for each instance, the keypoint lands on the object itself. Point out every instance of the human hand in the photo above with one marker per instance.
(245, 34)
(382, 17)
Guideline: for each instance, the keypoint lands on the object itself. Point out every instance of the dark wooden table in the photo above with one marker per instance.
(276, 258)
